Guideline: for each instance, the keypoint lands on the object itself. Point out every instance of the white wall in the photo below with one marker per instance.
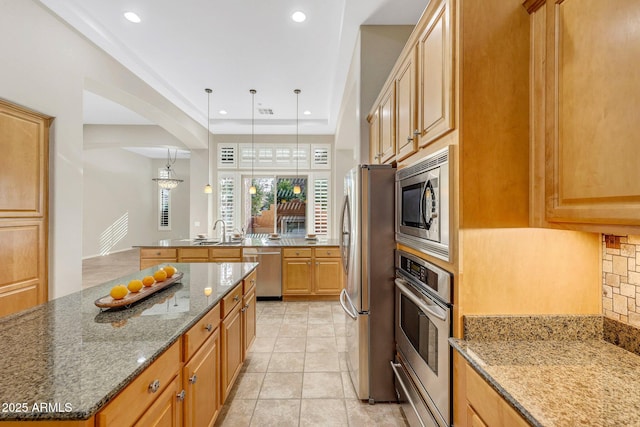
(45, 67)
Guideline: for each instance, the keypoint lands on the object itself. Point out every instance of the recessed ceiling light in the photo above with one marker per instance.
(223, 112)
(298, 16)
(306, 112)
(132, 17)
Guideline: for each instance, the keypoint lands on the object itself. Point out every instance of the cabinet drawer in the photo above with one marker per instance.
(225, 252)
(158, 253)
(249, 282)
(296, 253)
(132, 402)
(194, 253)
(232, 299)
(199, 332)
(332, 252)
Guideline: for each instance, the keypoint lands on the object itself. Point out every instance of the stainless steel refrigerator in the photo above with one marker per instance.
(367, 246)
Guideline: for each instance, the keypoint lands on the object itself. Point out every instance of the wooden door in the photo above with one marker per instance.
(166, 410)
(24, 195)
(201, 382)
(296, 276)
(586, 58)
(231, 347)
(248, 320)
(407, 132)
(435, 47)
(328, 276)
(374, 137)
(388, 126)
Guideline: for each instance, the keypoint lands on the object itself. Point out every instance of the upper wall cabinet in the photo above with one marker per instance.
(586, 99)
(388, 126)
(407, 131)
(436, 74)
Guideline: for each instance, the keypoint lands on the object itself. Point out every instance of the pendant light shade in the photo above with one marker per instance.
(207, 188)
(296, 187)
(252, 189)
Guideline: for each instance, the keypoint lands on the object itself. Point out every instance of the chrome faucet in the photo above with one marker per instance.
(224, 229)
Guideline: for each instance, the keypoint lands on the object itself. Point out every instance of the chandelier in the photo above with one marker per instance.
(168, 182)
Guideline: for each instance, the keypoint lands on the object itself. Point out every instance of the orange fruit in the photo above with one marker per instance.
(148, 280)
(160, 275)
(135, 285)
(171, 270)
(119, 291)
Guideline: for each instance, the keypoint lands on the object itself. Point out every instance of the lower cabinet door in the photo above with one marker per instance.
(328, 276)
(231, 349)
(248, 320)
(201, 382)
(166, 410)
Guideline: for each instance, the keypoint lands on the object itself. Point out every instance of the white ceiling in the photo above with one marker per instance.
(231, 46)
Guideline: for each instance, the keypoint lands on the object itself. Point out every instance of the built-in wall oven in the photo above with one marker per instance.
(422, 205)
(422, 329)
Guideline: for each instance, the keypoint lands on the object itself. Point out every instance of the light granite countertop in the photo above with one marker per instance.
(74, 357)
(248, 242)
(578, 379)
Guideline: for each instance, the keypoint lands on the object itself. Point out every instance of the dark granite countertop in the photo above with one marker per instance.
(567, 379)
(73, 356)
(248, 242)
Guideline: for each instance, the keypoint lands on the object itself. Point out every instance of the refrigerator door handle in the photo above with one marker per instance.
(343, 295)
(344, 249)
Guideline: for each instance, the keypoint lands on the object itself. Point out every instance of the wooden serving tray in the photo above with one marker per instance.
(108, 302)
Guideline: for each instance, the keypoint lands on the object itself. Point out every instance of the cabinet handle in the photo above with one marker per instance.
(253, 281)
(154, 386)
(246, 305)
(317, 263)
(209, 327)
(193, 378)
(180, 396)
(236, 298)
(243, 309)
(157, 253)
(409, 138)
(416, 132)
(297, 253)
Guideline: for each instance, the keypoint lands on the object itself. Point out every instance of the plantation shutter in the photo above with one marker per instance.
(227, 202)
(321, 206)
(227, 156)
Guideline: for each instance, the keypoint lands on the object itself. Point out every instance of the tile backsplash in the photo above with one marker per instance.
(621, 280)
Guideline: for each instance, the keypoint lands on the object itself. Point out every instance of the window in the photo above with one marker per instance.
(227, 200)
(227, 156)
(164, 204)
(321, 206)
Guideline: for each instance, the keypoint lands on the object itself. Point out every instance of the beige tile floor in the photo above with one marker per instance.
(295, 373)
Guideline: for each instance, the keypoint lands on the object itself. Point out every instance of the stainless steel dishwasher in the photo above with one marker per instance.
(269, 286)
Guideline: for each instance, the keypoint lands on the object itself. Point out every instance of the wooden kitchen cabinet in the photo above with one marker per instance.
(151, 256)
(200, 254)
(232, 348)
(166, 410)
(435, 52)
(374, 137)
(249, 315)
(406, 102)
(585, 133)
(154, 256)
(225, 254)
(201, 382)
(484, 407)
(24, 212)
(388, 126)
(148, 388)
(312, 273)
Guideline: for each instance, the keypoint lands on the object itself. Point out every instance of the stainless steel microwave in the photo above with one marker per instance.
(422, 205)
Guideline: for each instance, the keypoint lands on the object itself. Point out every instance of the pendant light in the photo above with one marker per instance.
(296, 187)
(252, 189)
(207, 188)
(169, 182)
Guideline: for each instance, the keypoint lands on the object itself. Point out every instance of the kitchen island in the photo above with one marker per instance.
(302, 269)
(67, 359)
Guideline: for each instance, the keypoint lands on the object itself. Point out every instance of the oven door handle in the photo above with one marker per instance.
(434, 310)
(395, 367)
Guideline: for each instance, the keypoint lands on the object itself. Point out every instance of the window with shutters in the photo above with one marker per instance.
(320, 156)
(227, 156)
(228, 200)
(321, 206)
(164, 204)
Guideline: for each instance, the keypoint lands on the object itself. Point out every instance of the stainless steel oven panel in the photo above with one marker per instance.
(442, 288)
(434, 241)
(415, 409)
(434, 385)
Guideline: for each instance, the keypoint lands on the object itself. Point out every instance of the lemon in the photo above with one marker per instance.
(171, 270)
(119, 291)
(148, 280)
(135, 285)
(160, 275)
